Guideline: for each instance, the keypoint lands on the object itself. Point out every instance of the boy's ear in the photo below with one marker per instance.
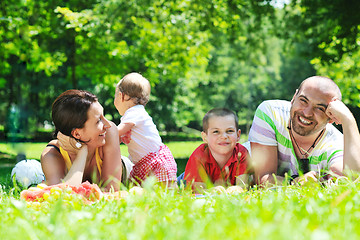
(204, 136)
(238, 134)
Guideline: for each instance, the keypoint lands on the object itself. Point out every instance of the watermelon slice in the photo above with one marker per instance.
(90, 192)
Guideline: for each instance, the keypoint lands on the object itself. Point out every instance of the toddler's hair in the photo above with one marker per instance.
(219, 112)
(136, 87)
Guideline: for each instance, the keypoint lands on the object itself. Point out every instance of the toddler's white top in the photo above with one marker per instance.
(145, 137)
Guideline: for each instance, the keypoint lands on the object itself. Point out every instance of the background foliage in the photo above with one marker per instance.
(196, 54)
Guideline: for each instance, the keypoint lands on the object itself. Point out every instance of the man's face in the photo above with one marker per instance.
(308, 108)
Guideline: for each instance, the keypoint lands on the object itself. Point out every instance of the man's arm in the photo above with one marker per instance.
(340, 114)
(265, 161)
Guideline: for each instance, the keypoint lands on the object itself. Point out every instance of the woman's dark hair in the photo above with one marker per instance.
(69, 110)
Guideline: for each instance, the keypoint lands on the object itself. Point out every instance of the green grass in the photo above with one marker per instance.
(310, 212)
(8, 151)
(180, 149)
(289, 212)
(31, 150)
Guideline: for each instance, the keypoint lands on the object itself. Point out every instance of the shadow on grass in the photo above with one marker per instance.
(181, 164)
(7, 162)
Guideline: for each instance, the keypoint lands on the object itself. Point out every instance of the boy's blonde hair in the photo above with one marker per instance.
(136, 87)
(219, 112)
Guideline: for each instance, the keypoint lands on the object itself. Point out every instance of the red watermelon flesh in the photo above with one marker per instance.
(89, 191)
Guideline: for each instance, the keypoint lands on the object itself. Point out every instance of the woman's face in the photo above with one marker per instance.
(94, 130)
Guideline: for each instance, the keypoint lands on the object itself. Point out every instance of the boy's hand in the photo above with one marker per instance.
(126, 138)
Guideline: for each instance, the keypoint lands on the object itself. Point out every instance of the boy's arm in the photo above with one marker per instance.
(198, 187)
(195, 173)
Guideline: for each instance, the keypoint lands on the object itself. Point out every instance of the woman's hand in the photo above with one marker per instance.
(68, 143)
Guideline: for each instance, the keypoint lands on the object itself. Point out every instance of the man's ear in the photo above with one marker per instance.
(293, 98)
(204, 136)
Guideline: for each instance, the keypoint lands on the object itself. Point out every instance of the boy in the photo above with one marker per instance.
(220, 159)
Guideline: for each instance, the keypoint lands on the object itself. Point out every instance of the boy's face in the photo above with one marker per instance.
(221, 135)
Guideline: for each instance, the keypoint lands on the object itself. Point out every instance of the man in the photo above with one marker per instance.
(298, 138)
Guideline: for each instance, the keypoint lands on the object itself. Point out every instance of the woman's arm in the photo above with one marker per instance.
(75, 175)
(53, 166)
(112, 165)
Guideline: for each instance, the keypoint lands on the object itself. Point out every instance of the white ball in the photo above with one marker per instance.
(28, 172)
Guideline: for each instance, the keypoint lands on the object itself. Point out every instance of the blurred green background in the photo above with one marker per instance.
(197, 54)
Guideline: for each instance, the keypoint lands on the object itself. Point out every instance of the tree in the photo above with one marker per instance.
(330, 32)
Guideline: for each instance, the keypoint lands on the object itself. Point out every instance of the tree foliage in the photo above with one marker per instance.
(196, 54)
(330, 30)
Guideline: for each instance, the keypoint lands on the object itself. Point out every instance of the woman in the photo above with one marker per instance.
(87, 144)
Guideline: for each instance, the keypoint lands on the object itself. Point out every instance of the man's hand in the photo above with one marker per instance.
(338, 112)
(307, 177)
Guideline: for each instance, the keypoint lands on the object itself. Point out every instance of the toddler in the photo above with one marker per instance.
(146, 150)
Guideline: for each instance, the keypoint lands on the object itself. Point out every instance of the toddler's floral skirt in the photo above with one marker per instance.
(160, 164)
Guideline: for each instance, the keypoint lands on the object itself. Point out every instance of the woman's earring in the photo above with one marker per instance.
(78, 145)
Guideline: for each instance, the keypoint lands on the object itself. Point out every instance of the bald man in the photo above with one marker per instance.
(298, 137)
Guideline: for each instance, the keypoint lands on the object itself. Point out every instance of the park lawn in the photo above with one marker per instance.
(181, 149)
(8, 151)
(288, 212)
